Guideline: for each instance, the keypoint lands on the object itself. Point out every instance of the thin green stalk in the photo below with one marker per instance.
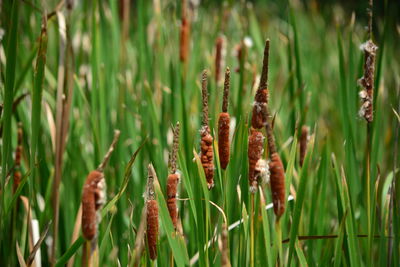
(252, 214)
(368, 173)
(278, 230)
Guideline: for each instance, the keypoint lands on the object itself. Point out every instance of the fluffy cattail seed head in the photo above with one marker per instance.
(255, 150)
(93, 198)
(206, 148)
(367, 81)
(207, 155)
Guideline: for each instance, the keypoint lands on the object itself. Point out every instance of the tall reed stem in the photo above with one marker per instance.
(278, 231)
(252, 215)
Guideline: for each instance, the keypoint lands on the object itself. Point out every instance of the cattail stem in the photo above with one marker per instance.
(370, 15)
(109, 152)
(252, 215)
(278, 231)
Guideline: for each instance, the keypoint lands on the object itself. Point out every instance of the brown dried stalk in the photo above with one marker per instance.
(207, 154)
(152, 213)
(303, 143)
(255, 150)
(223, 126)
(17, 162)
(224, 247)
(259, 118)
(173, 180)
(184, 35)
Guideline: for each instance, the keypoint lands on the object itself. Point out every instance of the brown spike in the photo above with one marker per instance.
(93, 198)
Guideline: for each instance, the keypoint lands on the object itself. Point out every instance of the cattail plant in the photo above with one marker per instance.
(367, 81)
(277, 176)
(223, 125)
(184, 35)
(207, 154)
(152, 213)
(173, 179)
(259, 119)
(17, 161)
(366, 111)
(93, 199)
(220, 52)
(255, 151)
(303, 143)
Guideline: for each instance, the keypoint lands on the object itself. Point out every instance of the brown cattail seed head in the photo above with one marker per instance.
(152, 213)
(93, 198)
(219, 57)
(172, 188)
(255, 150)
(207, 155)
(303, 143)
(277, 180)
(367, 81)
(184, 35)
(152, 227)
(18, 155)
(223, 125)
(223, 139)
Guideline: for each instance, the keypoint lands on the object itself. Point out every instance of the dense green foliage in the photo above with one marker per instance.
(126, 74)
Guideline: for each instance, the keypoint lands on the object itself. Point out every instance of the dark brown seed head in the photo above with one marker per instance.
(93, 198)
(223, 139)
(152, 227)
(277, 179)
(172, 188)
